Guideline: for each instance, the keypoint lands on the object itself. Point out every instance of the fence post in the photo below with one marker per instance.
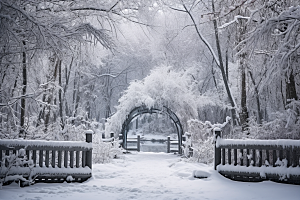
(112, 135)
(168, 144)
(217, 133)
(88, 139)
(138, 143)
(183, 145)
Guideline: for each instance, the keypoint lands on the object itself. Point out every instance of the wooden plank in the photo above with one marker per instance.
(260, 158)
(47, 159)
(53, 159)
(235, 156)
(294, 158)
(83, 158)
(255, 176)
(41, 157)
(59, 159)
(229, 156)
(247, 158)
(153, 140)
(280, 154)
(27, 154)
(242, 157)
(1, 157)
(138, 143)
(71, 159)
(65, 159)
(77, 159)
(168, 144)
(288, 157)
(274, 158)
(223, 156)
(254, 156)
(262, 147)
(131, 149)
(50, 148)
(297, 160)
(6, 161)
(34, 157)
(268, 156)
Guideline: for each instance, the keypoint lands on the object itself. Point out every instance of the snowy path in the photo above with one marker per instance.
(152, 176)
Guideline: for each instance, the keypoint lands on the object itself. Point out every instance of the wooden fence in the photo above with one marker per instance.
(138, 140)
(47, 161)
(258, 160)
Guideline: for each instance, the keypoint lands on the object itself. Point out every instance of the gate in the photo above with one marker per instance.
(143, 110)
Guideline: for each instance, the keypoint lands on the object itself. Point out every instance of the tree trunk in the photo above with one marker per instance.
(244, 113)
(67, 77)
(259, 112)
(50, 97)
(242, 63)
(60, 99)
(221, 66)
(76, 96)
(24, 88)
(291, 92)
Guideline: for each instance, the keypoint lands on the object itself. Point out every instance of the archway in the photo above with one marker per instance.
(143, 110)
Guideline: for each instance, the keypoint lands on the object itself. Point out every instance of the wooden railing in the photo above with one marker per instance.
(136, 140)
(257, 160)
(47, 161)
(172, 145)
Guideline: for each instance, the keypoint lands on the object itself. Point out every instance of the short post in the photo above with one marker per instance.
(88, 139)
(138, 143)
(183, 142)
(112, 137)
(168, 144)
(217, 134)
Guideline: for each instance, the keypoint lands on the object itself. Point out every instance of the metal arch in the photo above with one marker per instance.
(143, 110)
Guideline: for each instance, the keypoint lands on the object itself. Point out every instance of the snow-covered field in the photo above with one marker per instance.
(152, 176)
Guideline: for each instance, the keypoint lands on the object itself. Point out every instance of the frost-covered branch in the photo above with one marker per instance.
(235, 20)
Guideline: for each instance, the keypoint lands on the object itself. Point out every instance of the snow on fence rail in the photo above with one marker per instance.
(46, 161)
(257, 160)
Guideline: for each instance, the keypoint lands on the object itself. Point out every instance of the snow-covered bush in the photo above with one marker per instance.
(103, 151)
(165, 86)
(19, 159)
(202, 139)
(284, 125)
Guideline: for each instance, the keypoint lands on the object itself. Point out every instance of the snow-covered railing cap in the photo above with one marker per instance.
(217, 129)
(89, 131)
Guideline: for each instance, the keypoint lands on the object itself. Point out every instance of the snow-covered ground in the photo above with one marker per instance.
(152, 176)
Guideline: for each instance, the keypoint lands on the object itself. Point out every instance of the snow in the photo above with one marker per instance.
(280, 170)
(20, 142)
(284, 143)
(153, 176)
(45, 170)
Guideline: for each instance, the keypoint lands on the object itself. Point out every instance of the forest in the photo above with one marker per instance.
(70, 65)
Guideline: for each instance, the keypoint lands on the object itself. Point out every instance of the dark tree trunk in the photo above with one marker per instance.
(244, 113)
(62, 124)
(226, 64)
(291, 92)
(24, 88)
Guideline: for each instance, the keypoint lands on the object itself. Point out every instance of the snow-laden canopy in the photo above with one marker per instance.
(165, 86)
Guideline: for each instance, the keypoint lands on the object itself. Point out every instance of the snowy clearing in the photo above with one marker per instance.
(152, 176)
